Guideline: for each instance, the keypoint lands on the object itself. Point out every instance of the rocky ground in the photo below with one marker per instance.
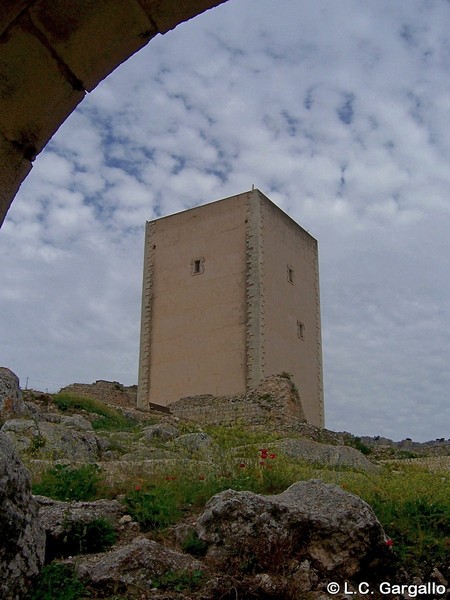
(240, 544)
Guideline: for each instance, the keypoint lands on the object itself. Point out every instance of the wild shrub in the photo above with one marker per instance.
(63, 482)
(192, 544)
(82, 538)
(179, 581)
(108, 418)
(413, 505)
(153, 508)
(358, 444)
(239, 435)
(57, 582)
(37, 443)
(420, 528)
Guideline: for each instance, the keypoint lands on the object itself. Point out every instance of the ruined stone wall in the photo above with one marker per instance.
(110, 392)
(275, 400)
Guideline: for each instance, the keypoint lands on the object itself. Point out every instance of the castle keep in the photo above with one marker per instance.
(230, 296)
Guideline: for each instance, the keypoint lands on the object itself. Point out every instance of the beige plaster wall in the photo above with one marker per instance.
(223, 330)
(197, 326)
(287, 245)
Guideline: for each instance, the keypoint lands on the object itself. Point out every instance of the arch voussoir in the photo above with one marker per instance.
(52, 52)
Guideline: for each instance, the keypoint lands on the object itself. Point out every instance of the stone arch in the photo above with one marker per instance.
(52, 52)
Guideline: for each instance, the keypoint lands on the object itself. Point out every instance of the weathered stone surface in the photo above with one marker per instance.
(14, 168)
(57, 518)
(167, 15)
(53, 514)
(161, 431)
(76, 422)
(35, 96)
(312, 530)
(275, 401)
(311, 432)
(10, 10)
(109, 392)
(72, 29)
(72, 421)
(11, 402)
(132, 567)
(326, 454)
(147, 453)
(194, 442)
(67, 438)
(22, 538)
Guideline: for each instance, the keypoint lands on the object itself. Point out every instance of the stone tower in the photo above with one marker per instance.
(230, 295)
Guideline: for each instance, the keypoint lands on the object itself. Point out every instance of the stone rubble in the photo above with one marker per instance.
(257, 546)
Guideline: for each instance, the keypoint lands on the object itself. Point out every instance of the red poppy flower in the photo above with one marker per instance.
(201, 477)
(273, 455)
(242, 465)
(389, 543)
(137, 488)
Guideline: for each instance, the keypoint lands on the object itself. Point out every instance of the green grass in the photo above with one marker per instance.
(170, 494)
(57, 582)
(239, 435)
(193, 545)
(108, 418)
(179, 581)
(154, 507)
(65, 483)
(412, 504)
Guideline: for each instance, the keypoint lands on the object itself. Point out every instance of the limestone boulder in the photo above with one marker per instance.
(326, 454)
(160, 431)
(76, 422)
(11, 402)
(60, 518)
(22, 537)
(53, 514)
(134, 566)
(194, 442)
(312, 532)
(57, 438)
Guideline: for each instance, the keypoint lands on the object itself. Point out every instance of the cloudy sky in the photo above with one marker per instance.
(339, 112)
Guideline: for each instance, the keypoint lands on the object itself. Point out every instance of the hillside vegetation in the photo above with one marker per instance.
(163, 471)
